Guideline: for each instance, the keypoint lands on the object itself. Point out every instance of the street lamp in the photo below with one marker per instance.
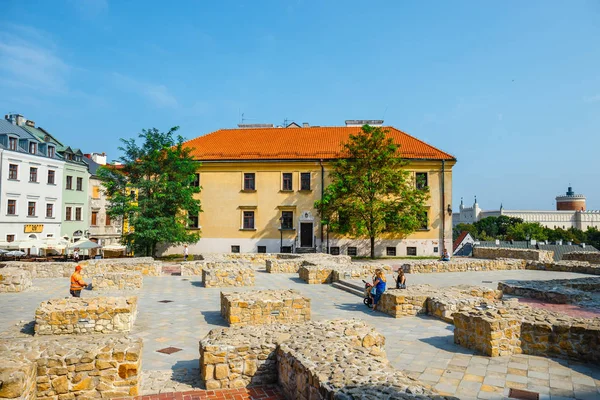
(281, 234)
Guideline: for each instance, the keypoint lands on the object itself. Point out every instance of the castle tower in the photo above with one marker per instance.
(570, 201)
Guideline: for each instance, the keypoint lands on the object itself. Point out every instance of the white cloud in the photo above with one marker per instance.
(30, 59)
(156, 94)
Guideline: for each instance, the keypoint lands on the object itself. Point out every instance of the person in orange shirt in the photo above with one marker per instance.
(77, 282)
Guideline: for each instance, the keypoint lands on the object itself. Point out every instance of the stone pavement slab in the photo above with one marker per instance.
(422, 346)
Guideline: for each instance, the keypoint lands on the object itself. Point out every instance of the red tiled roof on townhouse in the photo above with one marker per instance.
(459, 240)
(308, 143)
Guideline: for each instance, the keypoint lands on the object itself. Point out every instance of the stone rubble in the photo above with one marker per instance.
(261, 307)
(462, 265)
(85, 316)
(588, 256)
(13, 280)
(66, 368)
(582, 291)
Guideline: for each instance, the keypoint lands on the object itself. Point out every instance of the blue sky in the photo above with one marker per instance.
(511, 88)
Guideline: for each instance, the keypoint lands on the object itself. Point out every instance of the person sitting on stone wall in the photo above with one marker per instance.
(401, 279)
(445, 256)
(77, 282)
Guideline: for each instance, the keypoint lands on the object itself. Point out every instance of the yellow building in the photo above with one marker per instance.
(259, 186)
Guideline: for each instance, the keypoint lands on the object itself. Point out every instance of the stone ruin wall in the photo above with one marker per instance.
(13, 280)
(240, 356)
(559, 291)
(321, 359)
(462, 265)
(68, 367)
(520, 254)
(320, 274)
(591, 257)
(516, 329)
(438, 302)
(85, 316)
(147, 266)
(233, 275)
(261, 307)
(117, 281)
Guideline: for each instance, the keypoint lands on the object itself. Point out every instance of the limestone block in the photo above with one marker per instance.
(520, 254)
(462, 265)
(261, 307)
(84, 316)
(14, 280)
(17, 377)
(227, 275)
(117, 281)
(591, 257)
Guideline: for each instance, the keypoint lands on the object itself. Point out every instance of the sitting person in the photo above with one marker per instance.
(379, 287)
(401, 279)
(445, 256)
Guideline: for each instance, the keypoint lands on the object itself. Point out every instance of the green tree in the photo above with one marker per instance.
(460, 228)
(527, 231)
(371, 192)
(153, 189)
(593, 237)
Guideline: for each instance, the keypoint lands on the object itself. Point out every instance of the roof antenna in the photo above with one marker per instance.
(386, 108)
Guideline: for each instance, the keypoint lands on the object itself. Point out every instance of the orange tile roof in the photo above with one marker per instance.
(296, 144)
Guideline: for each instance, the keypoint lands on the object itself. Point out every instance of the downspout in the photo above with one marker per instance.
(443, 205)
(322, 194)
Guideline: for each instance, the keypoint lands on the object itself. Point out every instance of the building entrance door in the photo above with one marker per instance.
(306, 234)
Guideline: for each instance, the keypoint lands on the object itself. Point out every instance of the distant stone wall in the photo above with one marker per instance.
(515, 329)
(70, 367)
(117, 281)
(14, 280)
(240, 356)
(439, 302)
(462, 265)
(328, 273)
(145, 265)
(581, 267)
(520, 254)
(223, 275)
(260, 307)
(559, 291)
(591, 257)
(314, 275)
(284, 266)
(85, 316)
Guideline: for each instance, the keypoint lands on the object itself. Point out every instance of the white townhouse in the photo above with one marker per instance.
(31, 175)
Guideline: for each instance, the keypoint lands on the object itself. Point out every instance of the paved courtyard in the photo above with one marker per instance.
(179, 311)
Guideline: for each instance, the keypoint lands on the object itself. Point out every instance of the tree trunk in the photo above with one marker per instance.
(373, 247)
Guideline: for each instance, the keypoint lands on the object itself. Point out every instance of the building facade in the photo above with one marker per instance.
(260, 183)
(31, 173)
(104, 230)
(570, 213)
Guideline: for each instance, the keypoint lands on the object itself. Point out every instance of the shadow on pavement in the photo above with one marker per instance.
(297, 279)
(360, 307)
(214, 318)
(197, 283)
(446, 343)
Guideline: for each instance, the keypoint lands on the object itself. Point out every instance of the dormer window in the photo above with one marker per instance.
(51, 151)
(12, 143)
(32, 147)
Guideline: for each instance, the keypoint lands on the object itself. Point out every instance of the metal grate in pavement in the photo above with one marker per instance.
(169, 350)
(523, 394)
(165, 301)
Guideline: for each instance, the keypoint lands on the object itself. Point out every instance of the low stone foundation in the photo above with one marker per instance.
(14, 280)
(439, 302)
(117, 281)
(260, 307)
(591, 257)
(85, 316)
(328, 273)
(559, 291)
(580, 267)
(68, 368)
(286, 264)
(507, 252)
(290, 266)
(224, 275)
(462, 265)
(145, 265)
(515, 329)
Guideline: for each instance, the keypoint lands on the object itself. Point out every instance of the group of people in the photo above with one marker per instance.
(380, 284)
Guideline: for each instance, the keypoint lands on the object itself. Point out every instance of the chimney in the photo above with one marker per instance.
(305, 125)
(30, 123)
(19, 120)
(583, 245)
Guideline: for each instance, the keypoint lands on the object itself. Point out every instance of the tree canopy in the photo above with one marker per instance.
(153, 190)
(371, 192)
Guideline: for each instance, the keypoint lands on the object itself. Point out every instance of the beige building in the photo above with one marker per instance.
(260, 183)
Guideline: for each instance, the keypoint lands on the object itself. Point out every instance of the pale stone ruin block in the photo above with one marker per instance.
(259, 307)
(85, 316)
(224, 275)
(117, 281)
(13, 280)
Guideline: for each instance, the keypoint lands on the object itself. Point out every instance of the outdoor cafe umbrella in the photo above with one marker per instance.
(84, 244)
(15, 253)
